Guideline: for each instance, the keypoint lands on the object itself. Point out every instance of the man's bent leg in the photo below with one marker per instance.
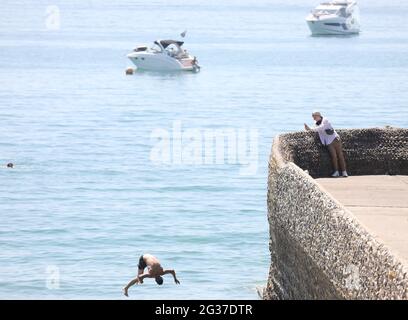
(333, 156)
(340, 155)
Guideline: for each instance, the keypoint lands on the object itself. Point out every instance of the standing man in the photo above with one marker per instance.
(329, 137)
(154, 270)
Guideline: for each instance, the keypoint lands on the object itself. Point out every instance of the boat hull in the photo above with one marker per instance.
(329, 27)
(161, 62)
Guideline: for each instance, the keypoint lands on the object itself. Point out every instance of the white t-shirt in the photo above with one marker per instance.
(325, 138)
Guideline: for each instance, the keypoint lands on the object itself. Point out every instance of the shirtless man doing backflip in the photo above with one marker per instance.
(154, 270)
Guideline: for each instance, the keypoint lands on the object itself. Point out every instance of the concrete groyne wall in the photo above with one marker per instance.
(367, 151)
(318, 248)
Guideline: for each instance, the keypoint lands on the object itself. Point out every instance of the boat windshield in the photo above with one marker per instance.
(173, 49)
(156, 48)
(320, 12)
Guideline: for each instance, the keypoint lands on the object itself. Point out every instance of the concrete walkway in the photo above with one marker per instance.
(380, 203)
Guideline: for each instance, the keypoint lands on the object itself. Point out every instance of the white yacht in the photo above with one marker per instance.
(336, 17)
(164, 55)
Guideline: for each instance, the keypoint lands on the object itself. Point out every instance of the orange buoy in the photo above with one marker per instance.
(129, 71)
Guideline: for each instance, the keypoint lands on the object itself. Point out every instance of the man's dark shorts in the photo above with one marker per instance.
(142, 264)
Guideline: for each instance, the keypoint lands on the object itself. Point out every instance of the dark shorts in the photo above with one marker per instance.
(142, 264)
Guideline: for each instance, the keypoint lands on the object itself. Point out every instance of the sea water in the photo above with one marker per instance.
(86, 198)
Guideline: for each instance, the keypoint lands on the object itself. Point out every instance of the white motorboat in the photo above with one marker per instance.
(164, 55)
(335, 18)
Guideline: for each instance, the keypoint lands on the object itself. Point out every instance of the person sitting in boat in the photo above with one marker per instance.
(330, 138)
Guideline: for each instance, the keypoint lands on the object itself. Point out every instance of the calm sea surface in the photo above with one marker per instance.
(85, 200)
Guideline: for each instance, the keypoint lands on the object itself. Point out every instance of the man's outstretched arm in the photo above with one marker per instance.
(138, 279)
(142, 276)
(173, 273)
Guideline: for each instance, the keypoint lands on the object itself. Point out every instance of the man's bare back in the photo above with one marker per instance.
(153, 264)
(154, 270)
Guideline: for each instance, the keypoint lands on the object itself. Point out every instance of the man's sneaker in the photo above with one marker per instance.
(344, 174)
(335, 174)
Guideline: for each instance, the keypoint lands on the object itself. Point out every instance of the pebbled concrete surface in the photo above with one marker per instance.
(380, 203)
